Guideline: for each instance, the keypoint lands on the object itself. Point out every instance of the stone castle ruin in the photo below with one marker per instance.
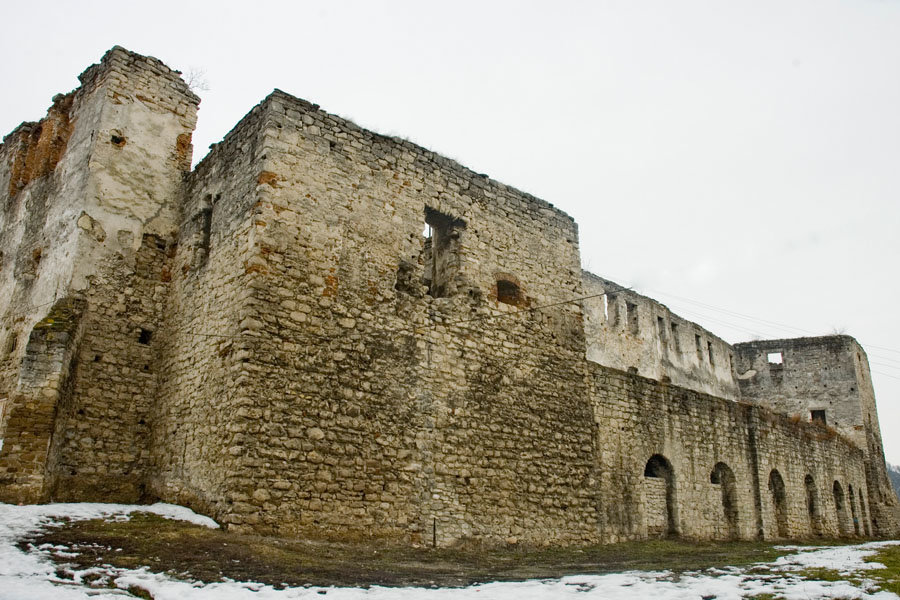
(270, 339)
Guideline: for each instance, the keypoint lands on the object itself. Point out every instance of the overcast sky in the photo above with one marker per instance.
(738, 161)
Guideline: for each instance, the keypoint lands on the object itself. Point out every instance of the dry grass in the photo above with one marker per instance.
(198, 553)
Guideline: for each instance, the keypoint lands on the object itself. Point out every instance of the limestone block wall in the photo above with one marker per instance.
(628, 331)
(43, 384)
(197, 436)
(824, 377)
(674, 461)
(89, 217)
(377, 405)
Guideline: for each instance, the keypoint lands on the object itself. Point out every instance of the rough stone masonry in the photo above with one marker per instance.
(271, 339)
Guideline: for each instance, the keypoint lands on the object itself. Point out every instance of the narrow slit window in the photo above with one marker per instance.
(699, 346)
(661, 329)
(709, 352)
(675, 342)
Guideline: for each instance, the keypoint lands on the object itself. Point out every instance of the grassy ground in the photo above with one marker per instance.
(194, 552)
(889, 577)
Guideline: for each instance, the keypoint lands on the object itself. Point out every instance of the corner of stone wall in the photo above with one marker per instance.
(42, 385)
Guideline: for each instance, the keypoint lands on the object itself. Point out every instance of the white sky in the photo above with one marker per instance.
(743, 155)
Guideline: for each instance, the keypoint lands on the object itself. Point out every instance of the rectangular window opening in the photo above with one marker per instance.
(613, 307)
(631, 316)
(675, 340)
(144, 337)
(775, 358)
(818, 416)
(709, 351)
(442, 252)
(606, 307)
(699, 346)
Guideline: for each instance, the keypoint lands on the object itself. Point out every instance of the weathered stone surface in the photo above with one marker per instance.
(271, 339)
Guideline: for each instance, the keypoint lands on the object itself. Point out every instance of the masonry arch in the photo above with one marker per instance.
(723, 476)
(779, 502)
(659, 497)
(864, 514)
(854, 514)
(840, 507)
(812, 505)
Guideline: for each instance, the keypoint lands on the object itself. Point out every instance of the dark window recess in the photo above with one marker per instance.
(709, 351)
(699, 346)
(631, 316)
(203, 224)
(675, 340)
(441, 253)
(509, 292)
(661, 329)
(818, 416)
(613, 310)
(144, 337)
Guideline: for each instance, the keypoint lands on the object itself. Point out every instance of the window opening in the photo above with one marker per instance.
(818, 416)
(509, 292)
(442, 256)
(144, 337)
(709, 351)
(631, 315)
(613, 310)
(699, 346)
(675, 339)
(606, 307)
(775, 358)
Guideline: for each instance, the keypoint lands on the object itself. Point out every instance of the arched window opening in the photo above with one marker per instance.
(779, 502)
(839, 507)
(509, 292)
(723, 476)
(659, 497)
(812, 505)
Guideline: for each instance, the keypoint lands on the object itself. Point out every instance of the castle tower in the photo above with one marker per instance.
(824, 380)
(90, 208)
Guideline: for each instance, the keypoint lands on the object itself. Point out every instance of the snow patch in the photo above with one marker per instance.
(31, 574)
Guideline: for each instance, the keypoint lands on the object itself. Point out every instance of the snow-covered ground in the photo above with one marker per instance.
(32, 576)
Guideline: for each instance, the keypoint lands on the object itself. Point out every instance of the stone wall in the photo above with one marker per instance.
(824, 378)
(326, 332)
(631, 332)
(89, 216)
(366, 387)
(716, 457)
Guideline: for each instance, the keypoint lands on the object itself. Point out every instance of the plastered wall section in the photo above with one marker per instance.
(625, 330)
(374, 408)
(93, 224)
(639, 418)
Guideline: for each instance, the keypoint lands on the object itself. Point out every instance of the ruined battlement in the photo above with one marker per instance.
(324, 331)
